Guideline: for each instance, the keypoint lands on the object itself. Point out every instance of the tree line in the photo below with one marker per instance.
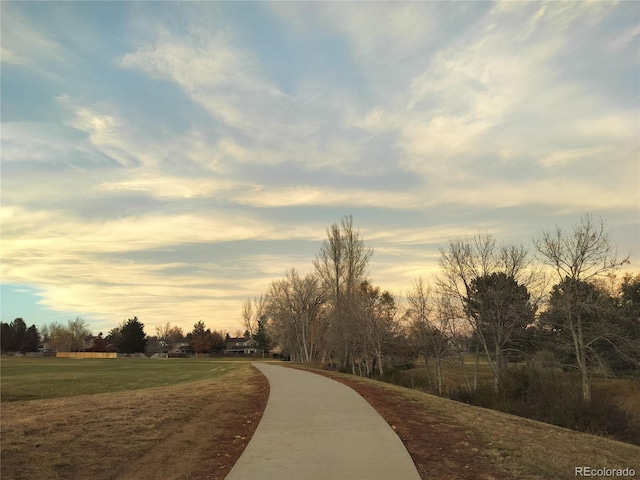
(501, 301)
(128, 337)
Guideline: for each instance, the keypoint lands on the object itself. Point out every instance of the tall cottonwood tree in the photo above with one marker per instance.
(341, 265)
(294, 308)
(578, 256)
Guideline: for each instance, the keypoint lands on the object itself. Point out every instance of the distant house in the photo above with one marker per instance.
(183, 347)
(45, 347)
(86, 343)
(241, 345)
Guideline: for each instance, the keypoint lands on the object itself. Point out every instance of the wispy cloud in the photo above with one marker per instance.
(170, 162)
(26, 45)
(212, 72)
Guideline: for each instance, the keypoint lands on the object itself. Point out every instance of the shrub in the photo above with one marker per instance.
(543, 359)
(484, 396)
(549, 396)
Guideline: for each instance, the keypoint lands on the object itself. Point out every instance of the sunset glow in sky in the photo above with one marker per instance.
(168, 160)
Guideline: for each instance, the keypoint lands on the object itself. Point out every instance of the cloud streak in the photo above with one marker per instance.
(170, 163)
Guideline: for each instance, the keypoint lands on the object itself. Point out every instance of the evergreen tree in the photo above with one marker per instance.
(201, 339)
(628, 325)
(16, 337)
(18, 330)
(132, 337)
(502, 310)
(5, 337)
(30, 340)
(99, 344)
(261, 338)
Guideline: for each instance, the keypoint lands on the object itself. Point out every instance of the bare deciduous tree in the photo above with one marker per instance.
(341, 265)
(418, 312)
(294, 309)
(471, 258)
(375, 312)
(427, 338)
(577, 257)
(68, 338)
(252, 313)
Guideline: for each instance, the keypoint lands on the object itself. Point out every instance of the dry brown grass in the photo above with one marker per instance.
(198, 430)
(189, 431)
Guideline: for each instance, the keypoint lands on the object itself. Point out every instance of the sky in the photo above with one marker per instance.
(170, 160)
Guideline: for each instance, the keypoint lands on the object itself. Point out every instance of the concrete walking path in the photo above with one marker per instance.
(315, 428)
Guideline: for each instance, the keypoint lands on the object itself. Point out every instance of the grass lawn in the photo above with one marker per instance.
(24, 378)
(126, 418)
(192, 418)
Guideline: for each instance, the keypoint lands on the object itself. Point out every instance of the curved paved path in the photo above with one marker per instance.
(315, 428)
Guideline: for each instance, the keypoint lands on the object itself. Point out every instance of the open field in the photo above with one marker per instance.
(451, 440)
(26, 378)
(127, 418)
(194, 418)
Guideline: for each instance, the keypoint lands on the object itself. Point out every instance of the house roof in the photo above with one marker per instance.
(240, 343)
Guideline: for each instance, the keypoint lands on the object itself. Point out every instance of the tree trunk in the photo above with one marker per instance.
(581, 357)
(586, 385)
(439, 374)
(465, 380)
(475, 372)
(426, 363)
(498, 369)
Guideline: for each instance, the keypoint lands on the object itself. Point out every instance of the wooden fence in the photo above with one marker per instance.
(86, 355)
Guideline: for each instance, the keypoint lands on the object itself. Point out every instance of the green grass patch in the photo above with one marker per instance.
(25, 378)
